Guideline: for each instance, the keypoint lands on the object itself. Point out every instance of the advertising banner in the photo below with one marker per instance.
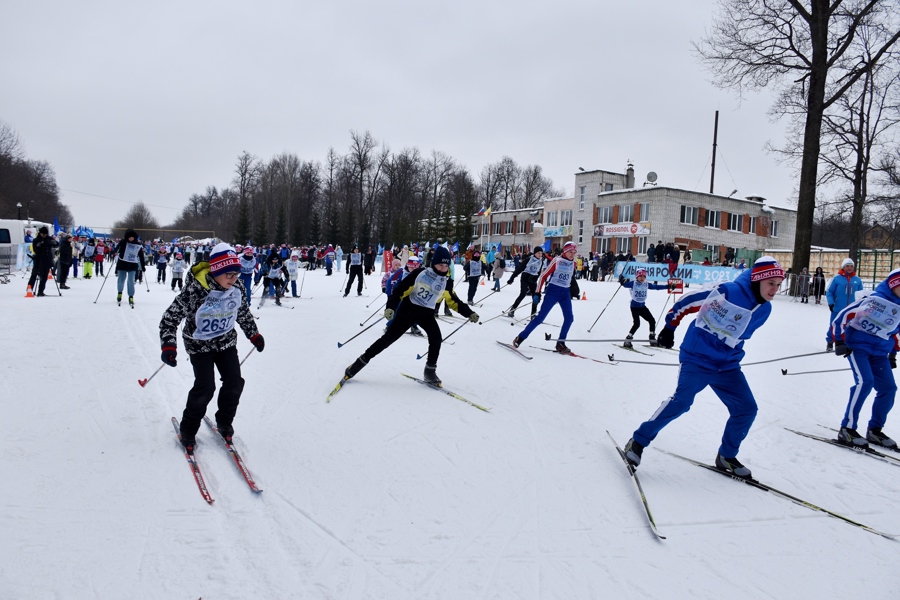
(624, 229)
(694, 274)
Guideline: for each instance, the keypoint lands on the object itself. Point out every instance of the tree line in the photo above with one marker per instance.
(368, 195)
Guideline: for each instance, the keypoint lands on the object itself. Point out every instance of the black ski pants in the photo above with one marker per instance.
(229, 366)
(527, 287)
(637, 313)
(473, 287)
(408, 314)
(355, 273)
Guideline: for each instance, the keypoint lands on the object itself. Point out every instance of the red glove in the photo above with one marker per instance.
(168, 355)
(258, 341)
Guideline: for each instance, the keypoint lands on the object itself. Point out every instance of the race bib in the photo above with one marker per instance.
(639, 292)
(876, 316)
(534, 266)
(475, 268)
(562, 274)
(429, 286)
(355, 260)
(217, 315)
(131, 253)
(725, 320)
(247, 266)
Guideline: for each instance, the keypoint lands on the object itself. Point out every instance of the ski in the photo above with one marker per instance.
(514, 349)
(675, 350)
(892, 449)
(337, 388)
(868, 451)
(767, 488)
(632, 350)
(237, 457)
(573, 355)
(195, 468)
(637, 484)
(441, 388)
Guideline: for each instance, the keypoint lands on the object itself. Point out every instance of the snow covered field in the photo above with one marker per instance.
(396, 491)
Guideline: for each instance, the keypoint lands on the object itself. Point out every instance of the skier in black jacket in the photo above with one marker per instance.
(530, 270)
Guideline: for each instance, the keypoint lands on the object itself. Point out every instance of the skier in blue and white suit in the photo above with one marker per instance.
(711, 355)
(639, 288)
(866, 332)
(248, 265)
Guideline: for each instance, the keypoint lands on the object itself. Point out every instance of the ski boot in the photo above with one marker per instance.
(226, 431)
(652, 339)
(511, 314)
(517, 341)
(131, 301)
(633, 452)
(277, 301)
(430, 376)
(627, 343)
(188, 441)
(851, 437)
(876, 436)
(562, 348)
(732, 466)
(119, 298)
(355, 368)
(829, 347)
(416, 331)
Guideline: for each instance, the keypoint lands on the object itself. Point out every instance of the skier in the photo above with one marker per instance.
(472, 269)
(354, 270)
(293, 269)
(275, 278)
(530, 270)
(178, 265)
(841, 292)
(560, 286)
(396, 277)
(210, 305)
(329, 260)
(866, 333)
(499, 268)
(87, 254)
(711, 354)
(248, 264)
(162, 262)
(413, 301)
(130, 260)
(639, 310)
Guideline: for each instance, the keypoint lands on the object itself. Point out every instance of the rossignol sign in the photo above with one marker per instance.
(625, 229)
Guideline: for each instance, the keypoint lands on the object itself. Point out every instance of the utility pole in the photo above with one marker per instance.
(712, 174)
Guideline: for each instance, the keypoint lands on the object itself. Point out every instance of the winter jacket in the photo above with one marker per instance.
(499, 270)
(185, 306)
(870, 324)
(710, 350)
(123, 265)
(639, 291)
(42, 247)
(400, 294)
(842, 291)
(65, 252)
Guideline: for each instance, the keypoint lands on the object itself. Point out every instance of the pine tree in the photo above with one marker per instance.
(281, 226)
(242, 228)
(314, 229)
(261, 233)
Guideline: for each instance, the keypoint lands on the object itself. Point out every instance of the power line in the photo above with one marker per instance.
(118, 199)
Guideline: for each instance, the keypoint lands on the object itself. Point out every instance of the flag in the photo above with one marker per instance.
(487, 212)
(481, 212)
(435, 246)
(455, 247)
(548, 245)
(56, 226)
(499, 247)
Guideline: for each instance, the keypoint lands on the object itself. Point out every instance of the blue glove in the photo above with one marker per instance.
(536, 299)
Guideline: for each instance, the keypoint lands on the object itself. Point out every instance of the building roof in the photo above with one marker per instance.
(716, 196)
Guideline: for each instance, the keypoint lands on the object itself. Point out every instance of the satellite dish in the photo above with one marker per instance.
(651, 176)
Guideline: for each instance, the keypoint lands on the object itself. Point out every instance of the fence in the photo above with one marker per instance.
(872, 265)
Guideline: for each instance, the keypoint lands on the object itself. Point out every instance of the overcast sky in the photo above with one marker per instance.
(155, 102)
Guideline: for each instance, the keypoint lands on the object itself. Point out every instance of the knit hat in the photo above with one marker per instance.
(766, 267)
(178, 255)
(44, 229)
(848, 261)
(639, 272)
(413, 259)
(441, 256)
(570, 246)
(248, 251)
(476, 253)
(893, 278)
(223, 259)
(538, 249)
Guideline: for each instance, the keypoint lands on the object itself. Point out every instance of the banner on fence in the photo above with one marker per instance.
(689, 273)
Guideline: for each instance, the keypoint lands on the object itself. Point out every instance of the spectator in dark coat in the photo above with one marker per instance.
(43, 246)
(651, 253)
(369, 261)
(65, 261)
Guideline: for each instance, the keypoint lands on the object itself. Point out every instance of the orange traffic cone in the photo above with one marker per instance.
(50, 275)
(29, 293)
(482, 282)
(584, 295)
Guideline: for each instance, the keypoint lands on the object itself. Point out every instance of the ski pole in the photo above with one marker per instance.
(302, 281)
(104, 282)
(478, 302)
(762, 362)
(605, 307)
(144, 277)
(341, 289)
(373, 314)
(550, 339)
(785, 371)
(374, 301)
(497, 317)
(421, 356)
(663, 311)
(340, 344)
(641, 362)
(248, 355)
(143, 382)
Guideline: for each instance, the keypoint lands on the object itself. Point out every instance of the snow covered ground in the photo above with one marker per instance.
(396, 491)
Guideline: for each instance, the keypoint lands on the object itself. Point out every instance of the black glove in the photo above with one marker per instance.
(831, 307)
(510, 281)
(168, 355)
(621, 280)
(892, 357)
(258, 341)
(474, 318)
(666, 338)
(841, 349)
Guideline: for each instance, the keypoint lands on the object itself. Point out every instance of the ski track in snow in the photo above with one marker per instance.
(394, 490)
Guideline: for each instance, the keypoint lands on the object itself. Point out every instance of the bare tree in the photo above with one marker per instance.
(138, 217)
(799, 48)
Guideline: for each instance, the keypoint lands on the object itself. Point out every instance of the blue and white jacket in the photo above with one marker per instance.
(705, 348)
(870, 324)
(639, 291)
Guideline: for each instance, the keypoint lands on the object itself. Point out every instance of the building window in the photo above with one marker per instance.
(626, 213)
(497, 228)
(476, 230)
(551, 219)
(604, 214)
(608, 187)
(509, 228)
(580, 231)
(714, 219)
(520, 226)
(642, 244)
(753, 225)
(603, 245)
(485, 228)
(713, 252)
(774, 228)
(735, 222)
(689, 215)
(645, 212)
(565, 218)
(624, 245)
(581, 202)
